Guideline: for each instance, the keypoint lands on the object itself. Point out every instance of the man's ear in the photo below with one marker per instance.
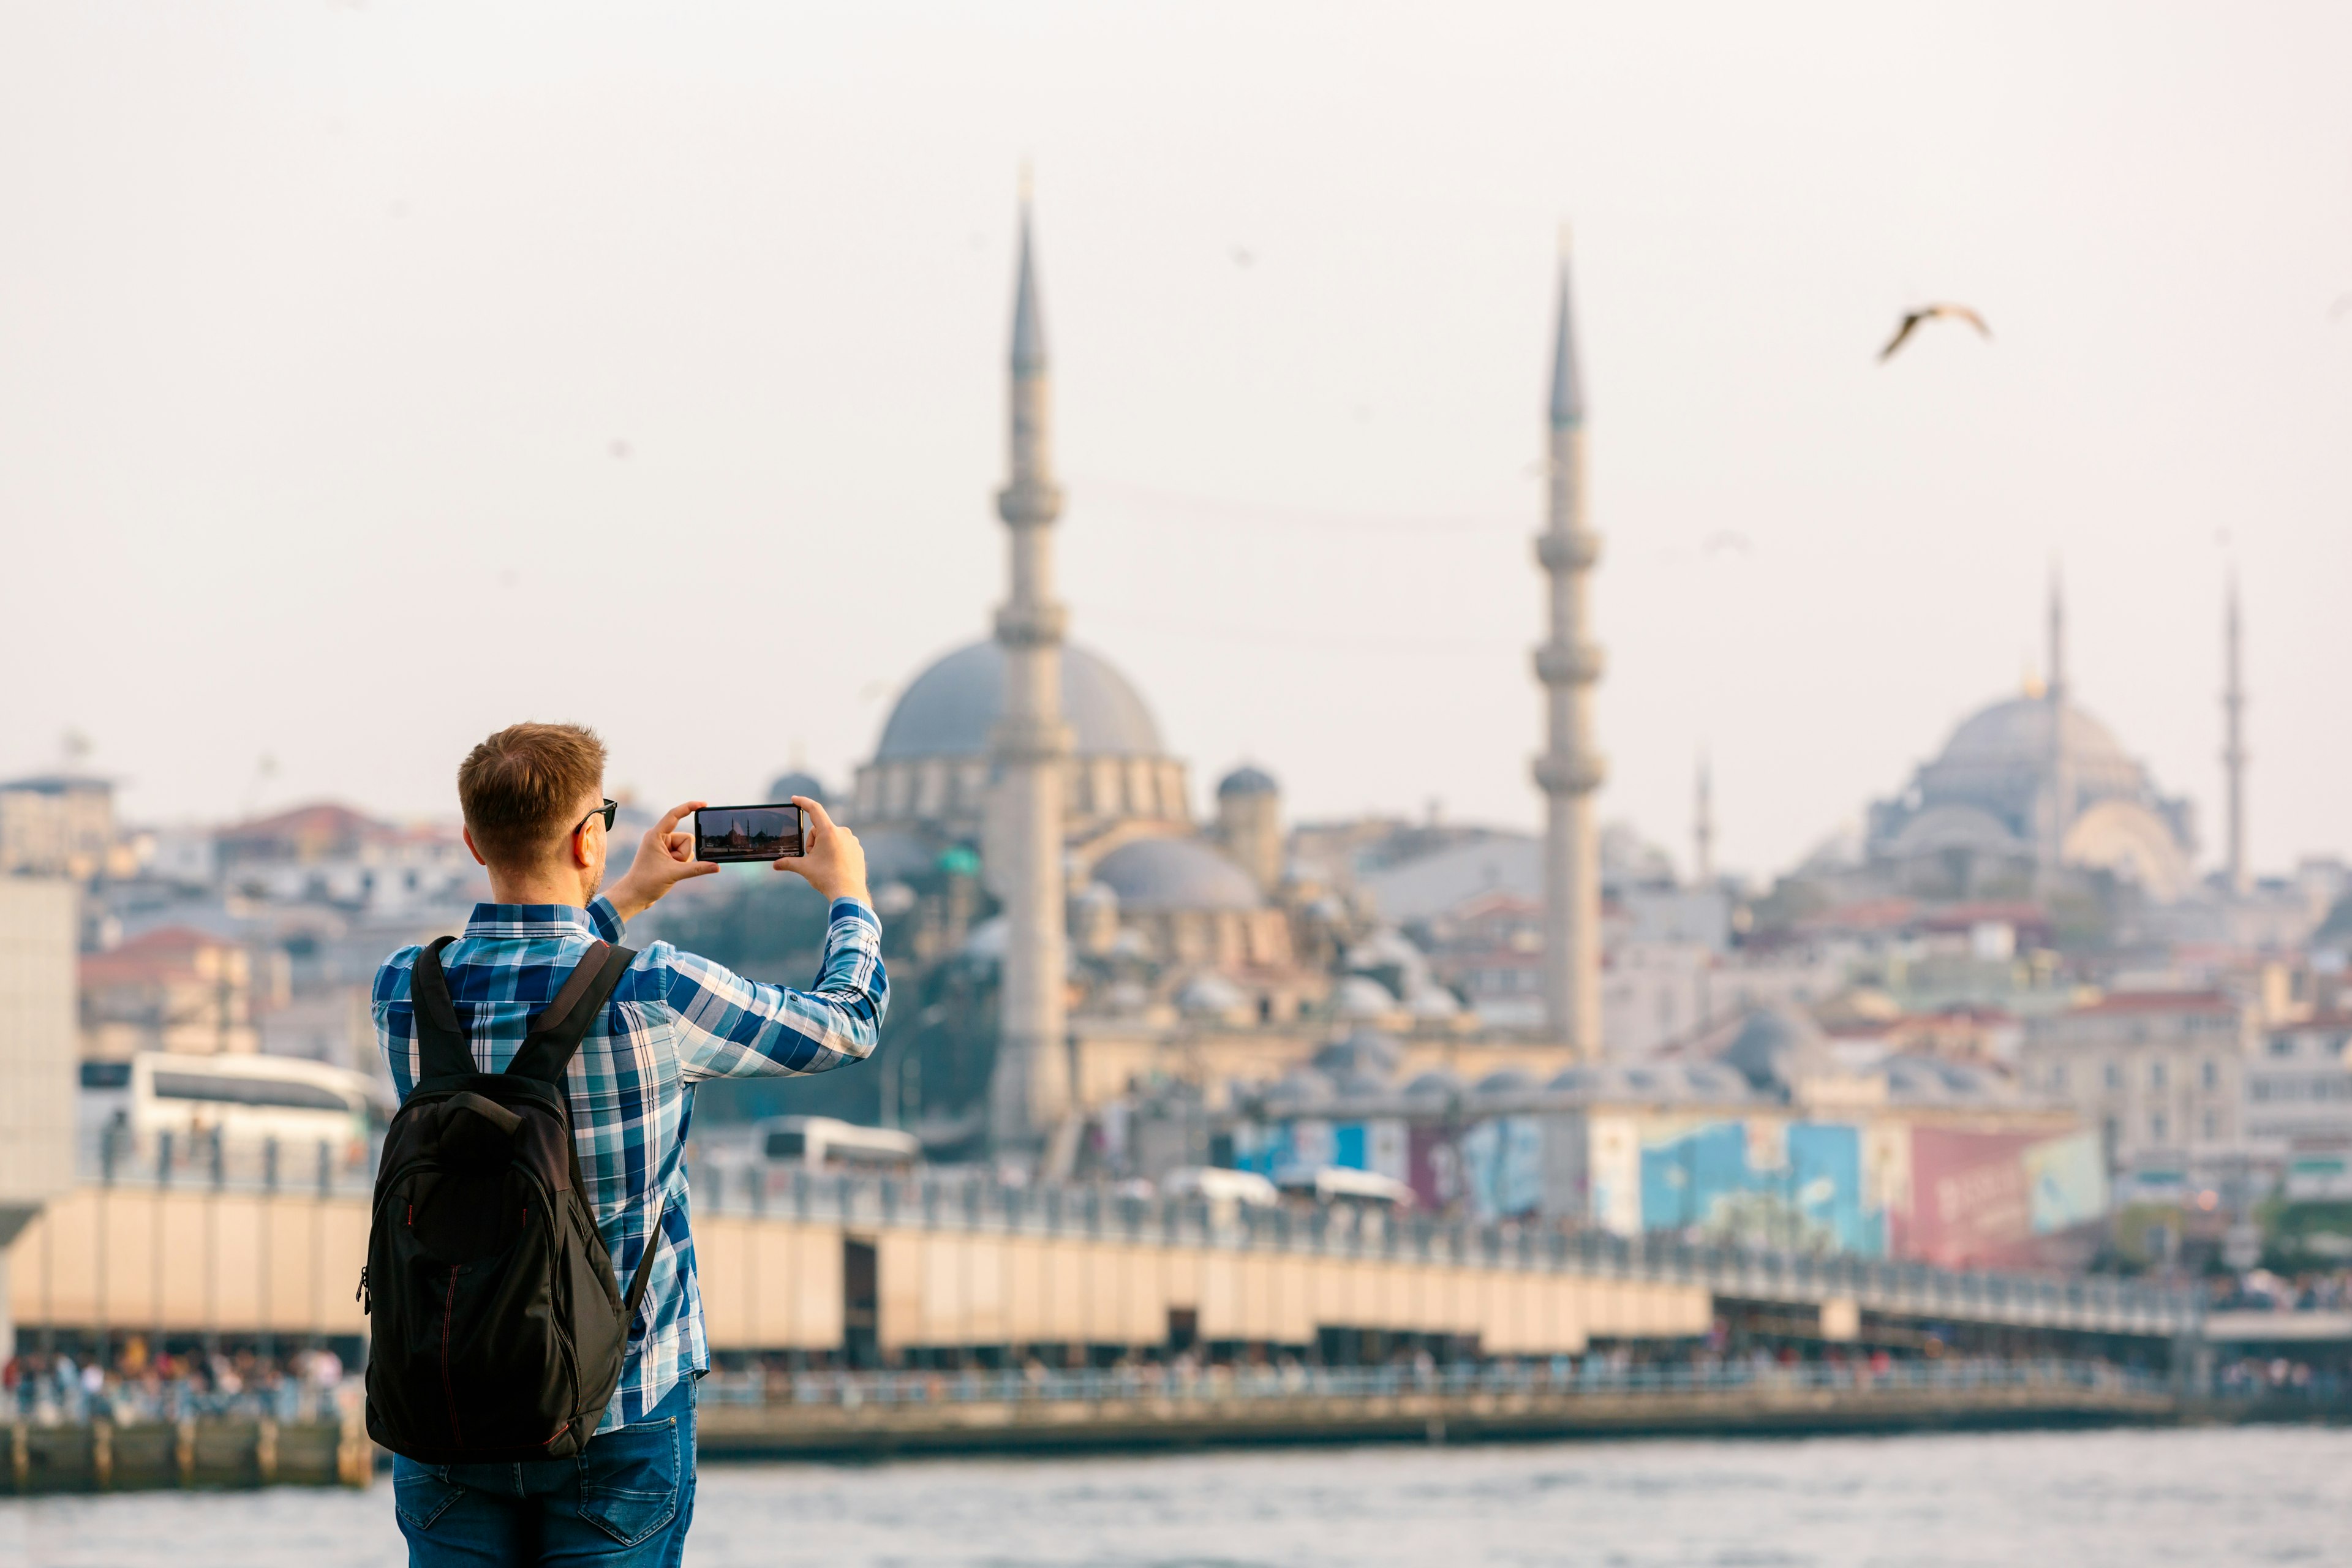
(578, 847)
(468, 834)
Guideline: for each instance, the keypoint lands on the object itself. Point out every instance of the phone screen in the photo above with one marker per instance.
(748, 832)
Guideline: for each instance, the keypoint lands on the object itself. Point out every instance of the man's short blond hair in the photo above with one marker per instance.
(520, 790)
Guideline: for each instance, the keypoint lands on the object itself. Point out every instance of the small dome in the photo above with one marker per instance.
(1248, 781)
(1435, 1085)
(1384, 947)
(1154, 875)
(1576, 1080)
(1300, 1087)
(1433, 1001)
(1361, 996)
(787, 786)
(1714, 1080)
(1648, 1082)
(1774, 1047)
(1364, 1050)
(1209, 994)
(949, 710)
(1508, 1080)
(1360, 1085)
(1912, 1082)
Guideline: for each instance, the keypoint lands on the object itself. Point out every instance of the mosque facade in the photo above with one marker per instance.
(1131, 885)
(2027, 789)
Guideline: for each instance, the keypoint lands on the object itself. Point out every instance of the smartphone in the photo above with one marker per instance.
(726, 833)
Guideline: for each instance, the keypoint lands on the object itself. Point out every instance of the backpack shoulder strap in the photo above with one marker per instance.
(556, 1033)
(441, 1046)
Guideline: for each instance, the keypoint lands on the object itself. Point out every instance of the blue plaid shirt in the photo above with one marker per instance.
(673, 1021)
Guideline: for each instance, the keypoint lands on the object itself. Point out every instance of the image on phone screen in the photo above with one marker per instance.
(748, 832)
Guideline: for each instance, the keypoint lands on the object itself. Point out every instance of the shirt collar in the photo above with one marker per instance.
(511, 920)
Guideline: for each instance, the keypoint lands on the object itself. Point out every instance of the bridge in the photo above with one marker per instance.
(931, 1266)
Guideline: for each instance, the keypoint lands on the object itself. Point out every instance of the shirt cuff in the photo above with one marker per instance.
(607, 920)
(853, 910)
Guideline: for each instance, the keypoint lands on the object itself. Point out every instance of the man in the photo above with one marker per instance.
(537, 819)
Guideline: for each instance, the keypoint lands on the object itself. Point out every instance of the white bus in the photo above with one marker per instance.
(247, 1100)
(1339, 1184)
(825, 1144)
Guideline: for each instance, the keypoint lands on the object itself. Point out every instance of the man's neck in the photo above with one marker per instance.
(538, 890)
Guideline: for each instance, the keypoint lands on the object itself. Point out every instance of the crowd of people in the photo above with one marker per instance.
(2260, 1291)
(135, 1383)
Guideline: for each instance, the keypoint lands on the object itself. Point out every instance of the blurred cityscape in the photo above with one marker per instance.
(2025, 1019)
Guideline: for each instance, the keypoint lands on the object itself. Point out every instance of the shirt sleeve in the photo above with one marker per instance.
(395, 1020)
(732, 1027)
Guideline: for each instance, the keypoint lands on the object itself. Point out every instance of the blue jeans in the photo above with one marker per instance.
(623, 1501)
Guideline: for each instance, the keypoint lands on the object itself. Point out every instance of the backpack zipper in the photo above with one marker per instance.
(448, 1389)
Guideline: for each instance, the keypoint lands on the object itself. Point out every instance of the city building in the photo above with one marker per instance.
(174, 989)
(2299, 1110)
(2160, 1074)
(61, 825)
(37, 1061)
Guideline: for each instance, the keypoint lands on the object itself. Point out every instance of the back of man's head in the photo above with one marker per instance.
(522, 789)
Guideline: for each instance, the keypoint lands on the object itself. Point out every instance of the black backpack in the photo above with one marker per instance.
(498, 1333)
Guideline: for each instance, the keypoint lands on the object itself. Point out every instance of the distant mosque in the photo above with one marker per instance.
(2026, 789)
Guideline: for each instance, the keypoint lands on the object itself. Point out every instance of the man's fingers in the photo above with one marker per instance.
(815, 808)
(700, 868)
(668, 823)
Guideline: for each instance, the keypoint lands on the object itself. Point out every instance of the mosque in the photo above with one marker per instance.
(1145, 879)
(2028, 789)
(1041, 755)
(1133, 942)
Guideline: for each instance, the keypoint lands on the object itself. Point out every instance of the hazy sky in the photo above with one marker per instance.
(319, 326)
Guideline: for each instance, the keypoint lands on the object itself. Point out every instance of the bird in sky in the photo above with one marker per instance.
(1929, 313)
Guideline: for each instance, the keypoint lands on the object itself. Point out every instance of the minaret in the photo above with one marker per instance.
(2233, 749)
(1029, 1090)
(1703, 827)
(2058, 807)
(1568, 665)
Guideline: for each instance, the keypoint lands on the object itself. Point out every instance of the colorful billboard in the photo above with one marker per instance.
(1875, 1187)
(1998, 1199)
(1761, 1183)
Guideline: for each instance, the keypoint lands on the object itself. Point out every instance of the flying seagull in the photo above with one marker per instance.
(1927, 314)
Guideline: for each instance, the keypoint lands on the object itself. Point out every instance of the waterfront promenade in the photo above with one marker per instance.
(837, 1416)
(843, 1416)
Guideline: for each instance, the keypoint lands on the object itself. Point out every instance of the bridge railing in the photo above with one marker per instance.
(1565, 1377)
(971, 1202)
(1348, 1231)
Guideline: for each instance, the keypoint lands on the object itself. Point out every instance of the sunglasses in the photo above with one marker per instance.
(607, 811)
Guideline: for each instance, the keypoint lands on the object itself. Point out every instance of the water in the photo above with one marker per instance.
(2199, 1496)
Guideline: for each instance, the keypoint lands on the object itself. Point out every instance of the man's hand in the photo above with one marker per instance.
(665, 859)
(835, 862)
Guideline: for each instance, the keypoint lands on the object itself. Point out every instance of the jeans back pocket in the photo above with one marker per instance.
(629, 1479)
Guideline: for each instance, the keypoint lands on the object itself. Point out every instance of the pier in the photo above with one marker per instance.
(862, 1316)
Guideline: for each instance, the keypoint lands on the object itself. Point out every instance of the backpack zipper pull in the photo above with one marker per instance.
(366, 1302)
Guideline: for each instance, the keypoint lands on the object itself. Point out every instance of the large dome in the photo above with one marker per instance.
(2014, 737)
(1152, 876)
(948, 709)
